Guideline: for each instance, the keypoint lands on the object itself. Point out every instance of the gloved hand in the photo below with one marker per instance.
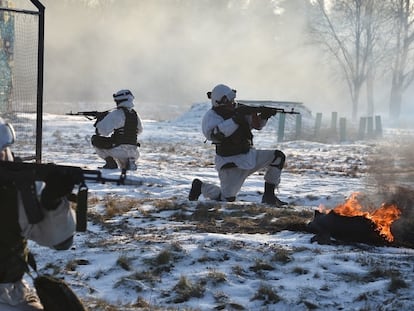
(58, 185)
(100, 116)
(239, 118)
(267, 114)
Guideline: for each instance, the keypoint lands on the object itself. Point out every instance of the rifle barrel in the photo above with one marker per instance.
(41, 171)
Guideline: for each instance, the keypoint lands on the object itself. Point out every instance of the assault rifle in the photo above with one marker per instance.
(90, 115)
(23, 175)
(265, 110)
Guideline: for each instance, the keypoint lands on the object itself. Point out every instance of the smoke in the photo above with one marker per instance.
(391, 172)
(171, 52)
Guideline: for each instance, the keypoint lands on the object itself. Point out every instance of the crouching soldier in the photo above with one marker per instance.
(236, 158)
(55, 229)
(123, 124)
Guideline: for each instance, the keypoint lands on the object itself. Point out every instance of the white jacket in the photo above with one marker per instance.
(213, 122)
(116, 119)
(57, 225)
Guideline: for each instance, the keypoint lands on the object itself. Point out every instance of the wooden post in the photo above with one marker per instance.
(342, 129)
(298, 126)
(378, 126)
(370, 127)
(362, 126)
(318, 123)
(334, 120)
(281, 130)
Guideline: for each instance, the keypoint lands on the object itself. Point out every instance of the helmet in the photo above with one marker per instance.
(7, 134)
(123, 95)
(219, 91)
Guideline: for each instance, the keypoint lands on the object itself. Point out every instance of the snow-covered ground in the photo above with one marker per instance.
(148, 247)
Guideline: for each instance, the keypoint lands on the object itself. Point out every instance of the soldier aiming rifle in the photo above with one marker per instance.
(116, 132)
(228, 126)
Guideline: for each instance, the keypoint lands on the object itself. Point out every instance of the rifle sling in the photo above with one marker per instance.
(81, 208)
(25, 184)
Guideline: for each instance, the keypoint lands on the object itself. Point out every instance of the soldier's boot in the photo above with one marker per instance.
(110, 164)
(131, 166)
(269, 196)
(195, 191)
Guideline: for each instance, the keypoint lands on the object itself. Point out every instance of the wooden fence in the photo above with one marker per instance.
(339, 130)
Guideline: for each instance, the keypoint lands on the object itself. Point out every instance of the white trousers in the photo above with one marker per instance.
(232, 179)
(121, 154)
(18, 297)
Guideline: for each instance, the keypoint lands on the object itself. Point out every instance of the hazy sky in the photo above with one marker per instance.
(171, 52)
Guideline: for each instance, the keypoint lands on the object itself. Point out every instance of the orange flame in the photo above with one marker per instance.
(383, 217)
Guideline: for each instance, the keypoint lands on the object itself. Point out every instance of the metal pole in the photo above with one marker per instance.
(40, 68)
(281, 130)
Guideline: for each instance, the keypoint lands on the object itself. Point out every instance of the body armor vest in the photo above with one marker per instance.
(237, 143)
(128, 133)
(13, 247)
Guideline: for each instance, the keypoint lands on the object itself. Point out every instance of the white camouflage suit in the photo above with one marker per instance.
(55, 230)
(122, 154)
(58, 225)
(232, 179)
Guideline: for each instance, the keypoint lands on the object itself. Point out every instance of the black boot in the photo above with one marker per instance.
(110, 163)
(269, 196)
(195, 191)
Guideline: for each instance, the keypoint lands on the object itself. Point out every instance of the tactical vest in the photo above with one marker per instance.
(13, 247)
(239, 142)
(128, 133)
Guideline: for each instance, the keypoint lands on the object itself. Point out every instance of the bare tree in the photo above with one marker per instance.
(403, 63)
(348, 30)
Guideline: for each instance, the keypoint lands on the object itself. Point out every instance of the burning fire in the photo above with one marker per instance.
(383, 217)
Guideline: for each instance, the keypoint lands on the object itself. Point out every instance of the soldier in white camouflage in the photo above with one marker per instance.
(55, 229)
(116, 134)
(236, 158)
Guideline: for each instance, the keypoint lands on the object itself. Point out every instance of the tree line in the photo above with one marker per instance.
(369, 40)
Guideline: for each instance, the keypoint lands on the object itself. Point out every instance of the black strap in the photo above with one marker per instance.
(31, 262)
(82, 207)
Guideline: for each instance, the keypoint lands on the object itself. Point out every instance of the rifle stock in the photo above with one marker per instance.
(23, 175)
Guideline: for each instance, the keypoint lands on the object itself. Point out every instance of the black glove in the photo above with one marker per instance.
(58, 185)
(101, 115)
(266, 115)
(239, 118)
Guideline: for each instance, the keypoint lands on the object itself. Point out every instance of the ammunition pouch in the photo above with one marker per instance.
(102, 142)
(239, 142)
(226, 150)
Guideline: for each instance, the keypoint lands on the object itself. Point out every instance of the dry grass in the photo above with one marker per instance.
(282, 255)
(252, 218)
(267, 294)
(115, 206)
(218, 217)
(124, 262)
(186, 289)
(216, 277)
(261, 265)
